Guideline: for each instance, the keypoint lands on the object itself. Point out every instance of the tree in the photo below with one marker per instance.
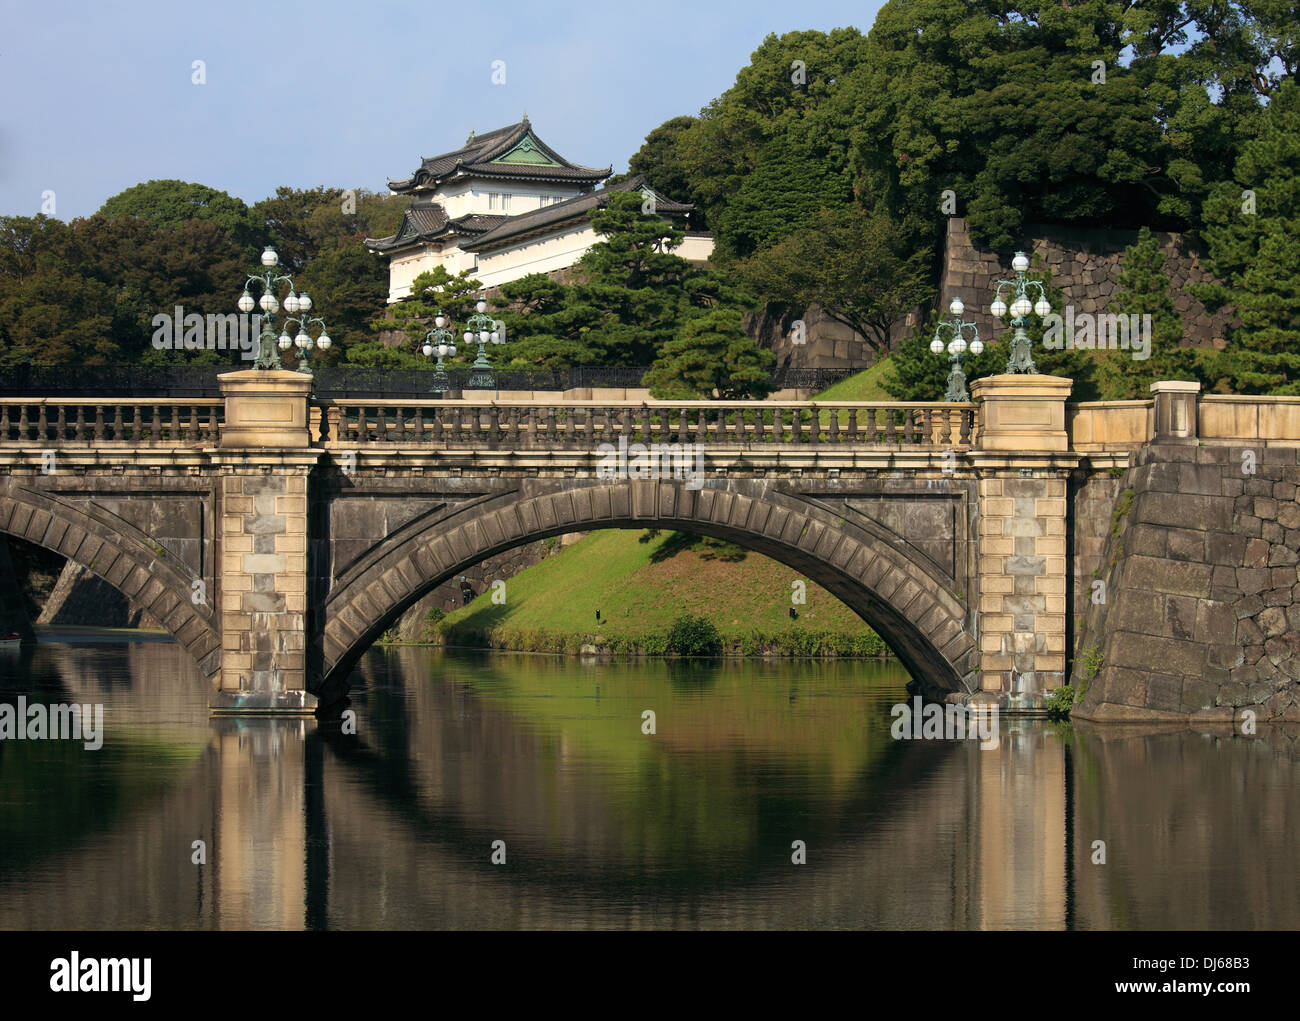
(772, 150)
(544, 328)
(1252, 228)
(348, 286)
(855, 265)
(951, 106)
(288, 219)
(660, 162)
(713, 353)
(87, 292)
(433, 291)
(633, 295)
(170, 203)
(1144, 290)
(921, 375)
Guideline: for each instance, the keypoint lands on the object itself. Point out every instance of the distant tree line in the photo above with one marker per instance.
(827, 173)
(86, 292)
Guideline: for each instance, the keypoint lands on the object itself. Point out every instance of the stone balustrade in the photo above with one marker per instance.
(87, 420)
(584, 425)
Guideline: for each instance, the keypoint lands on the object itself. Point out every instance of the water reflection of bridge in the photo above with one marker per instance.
(392, 829)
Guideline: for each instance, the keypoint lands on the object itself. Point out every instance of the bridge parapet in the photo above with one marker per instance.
(124, 424)
(584, 425)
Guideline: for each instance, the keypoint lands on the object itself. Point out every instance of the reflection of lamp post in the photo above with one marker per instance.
(268, 282)
(1020, 360)
(481, 330)
(956, 348)
(444, 347)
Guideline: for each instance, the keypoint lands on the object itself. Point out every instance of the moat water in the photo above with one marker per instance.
(544, 761)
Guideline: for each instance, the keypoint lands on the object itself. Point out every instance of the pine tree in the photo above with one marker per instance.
(1252, 227)
(713, 354)
(1144, 290)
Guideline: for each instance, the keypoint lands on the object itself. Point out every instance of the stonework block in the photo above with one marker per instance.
(262, 563)
(291, 544)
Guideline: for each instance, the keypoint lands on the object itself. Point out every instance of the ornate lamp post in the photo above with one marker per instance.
(482, 329)
(301, 304)
(1020, 360)
(268, 282)
(444, 346)
(956, 348)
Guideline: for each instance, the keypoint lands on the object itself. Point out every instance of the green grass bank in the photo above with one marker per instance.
(641, 582)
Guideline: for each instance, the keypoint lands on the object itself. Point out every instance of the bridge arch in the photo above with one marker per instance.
(141, 571)
(912, 606)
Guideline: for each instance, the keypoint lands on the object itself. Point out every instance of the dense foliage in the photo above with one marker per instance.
(1152, 113)
(828, 172)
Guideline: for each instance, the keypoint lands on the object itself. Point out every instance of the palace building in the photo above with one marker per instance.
(504, 205)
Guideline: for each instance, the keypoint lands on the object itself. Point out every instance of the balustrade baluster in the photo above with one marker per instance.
(60, 425)
(4, 422)
(42, 426)
(833, 430)
(967, 422)
(99, 421)
(155, 426)
(23, 428)
(194, 423)
(79, 427)
(853, 425)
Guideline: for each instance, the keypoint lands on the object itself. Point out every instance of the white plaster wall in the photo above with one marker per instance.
(505, 264)
(537, 256)
(695, 248)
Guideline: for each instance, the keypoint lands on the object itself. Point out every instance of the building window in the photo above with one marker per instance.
(505, 201)
(493, 199)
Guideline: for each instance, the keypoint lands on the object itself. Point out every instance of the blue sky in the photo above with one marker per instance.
(98, 95)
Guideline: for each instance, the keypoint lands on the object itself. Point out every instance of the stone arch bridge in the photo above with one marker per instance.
(277, 536)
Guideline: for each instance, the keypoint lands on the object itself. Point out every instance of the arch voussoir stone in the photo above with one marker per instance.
(912, 608)
(154, 582)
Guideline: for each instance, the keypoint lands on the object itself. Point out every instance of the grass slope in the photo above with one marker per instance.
(867, 385)
(640, 587)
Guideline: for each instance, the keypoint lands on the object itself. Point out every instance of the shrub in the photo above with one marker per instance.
(1060, 702)
(693, 636)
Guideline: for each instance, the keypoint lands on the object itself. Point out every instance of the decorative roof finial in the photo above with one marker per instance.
(471, 137)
